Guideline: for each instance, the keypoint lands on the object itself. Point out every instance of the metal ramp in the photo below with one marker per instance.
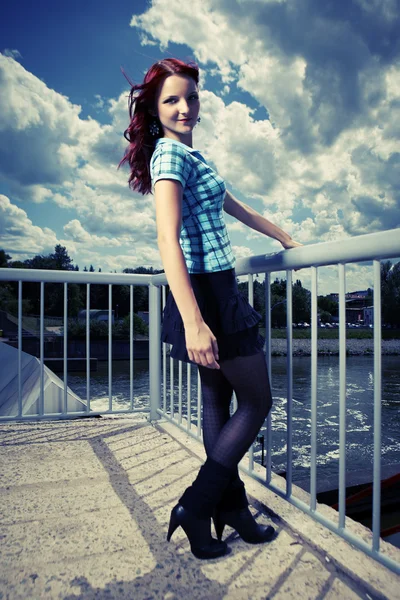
(53, 392)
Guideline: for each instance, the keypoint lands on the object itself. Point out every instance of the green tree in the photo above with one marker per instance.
(141, 293)
(61, 259)
(4, 259)
(301, 303)
(328, 308)
(390, 293)
(258, 294)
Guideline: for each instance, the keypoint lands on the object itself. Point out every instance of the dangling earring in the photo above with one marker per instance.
(199, 119)
(154, 128)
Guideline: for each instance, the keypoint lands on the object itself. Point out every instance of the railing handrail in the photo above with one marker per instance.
(55, 276)
(355, 249)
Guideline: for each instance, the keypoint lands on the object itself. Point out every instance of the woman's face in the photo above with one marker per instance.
(178, 107)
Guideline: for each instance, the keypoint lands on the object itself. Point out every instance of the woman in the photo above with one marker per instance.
(206, 319)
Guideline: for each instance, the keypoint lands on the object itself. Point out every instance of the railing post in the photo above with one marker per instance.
(154, 351)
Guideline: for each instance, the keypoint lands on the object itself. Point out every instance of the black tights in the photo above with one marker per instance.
(227, 438)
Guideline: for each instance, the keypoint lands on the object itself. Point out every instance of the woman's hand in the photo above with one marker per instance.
(201, 345)
(289, 243)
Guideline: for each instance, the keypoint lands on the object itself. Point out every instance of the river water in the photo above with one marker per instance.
(359, 413)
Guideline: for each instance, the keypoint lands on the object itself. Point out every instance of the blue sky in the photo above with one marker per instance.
(300, 115)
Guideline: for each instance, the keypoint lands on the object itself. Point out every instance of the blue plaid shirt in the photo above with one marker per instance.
(203, 238)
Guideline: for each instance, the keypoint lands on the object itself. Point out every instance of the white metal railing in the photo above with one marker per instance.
(371, 247)
(67, 277)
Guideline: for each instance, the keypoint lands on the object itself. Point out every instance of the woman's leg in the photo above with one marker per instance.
(227, 438)
(217, 393)
(248, 376)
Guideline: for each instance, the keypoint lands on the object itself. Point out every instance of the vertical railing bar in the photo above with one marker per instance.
(180, 391)
(235, 402)
(87, 347)
(314, 358)
(250, 288)
(164, 293)
(20, 348)
(110, 402)
(189, 397)
(65, 365)
(198, 404)
(251, 302)
(164, 358)
(289, 369)
(376, 507)
(267, 286)
(131, 344)
(41, 398)
(171, 386)
(155, 350)
(342, 395)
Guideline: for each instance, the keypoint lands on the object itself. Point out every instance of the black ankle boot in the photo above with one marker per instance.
(207, 489)
(244, 523)
(198, 531)
(195, 508)
(234, 496)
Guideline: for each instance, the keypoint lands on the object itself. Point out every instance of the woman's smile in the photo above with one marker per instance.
(178, 96)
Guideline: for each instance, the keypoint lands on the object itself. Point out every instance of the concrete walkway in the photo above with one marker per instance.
(84, 514)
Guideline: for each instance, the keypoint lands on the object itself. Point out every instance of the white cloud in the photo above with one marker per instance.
(100, 102)
(325, 109)
(241, 251)
(19, 236)
(15, 54)
(42, 137)
(77, 233)
(56, 156)
(198, 25)
(110, 263)
(387, 10)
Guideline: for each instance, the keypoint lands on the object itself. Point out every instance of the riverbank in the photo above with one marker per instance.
(354, 347)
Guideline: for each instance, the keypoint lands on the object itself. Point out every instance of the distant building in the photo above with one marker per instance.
(354, 314)
(359, 294)
(369, 315)
(95, 314)
(355, 306)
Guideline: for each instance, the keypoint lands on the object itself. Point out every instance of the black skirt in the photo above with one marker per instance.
(231, 318)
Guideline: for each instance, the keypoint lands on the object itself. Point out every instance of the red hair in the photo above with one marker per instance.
(142, 99)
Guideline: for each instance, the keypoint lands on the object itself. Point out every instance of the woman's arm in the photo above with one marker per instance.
(253, 219)
(168, 197)
(201, 343)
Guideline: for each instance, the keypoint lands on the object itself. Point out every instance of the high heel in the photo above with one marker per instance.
(245, 525)
(198, 531)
